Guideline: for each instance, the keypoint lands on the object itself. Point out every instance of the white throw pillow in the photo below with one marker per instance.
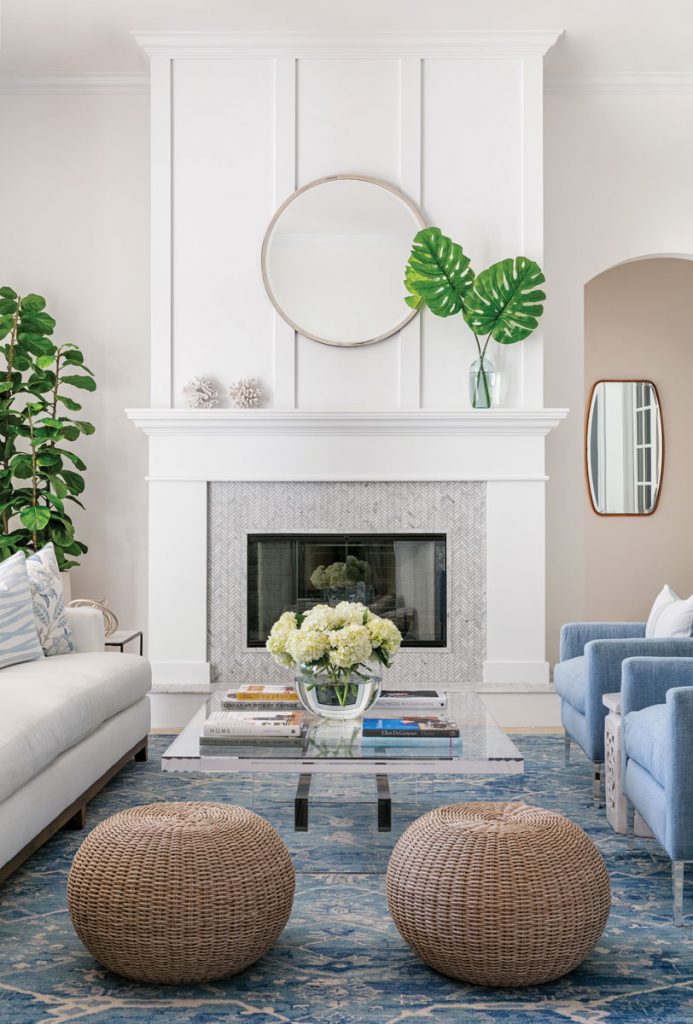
(52, 627)
(670, 616)
(18, 639)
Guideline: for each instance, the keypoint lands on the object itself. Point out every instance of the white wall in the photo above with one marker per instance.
(617, 185)
(618, 172)
(75, 228)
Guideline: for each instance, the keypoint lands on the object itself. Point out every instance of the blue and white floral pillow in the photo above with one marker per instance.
(18, 639)
(52, 627)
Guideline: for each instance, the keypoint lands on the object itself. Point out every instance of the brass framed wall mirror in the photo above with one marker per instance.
(333, 259)
(624, 448)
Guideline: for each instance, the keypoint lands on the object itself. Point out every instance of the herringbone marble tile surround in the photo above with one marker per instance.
(457, 509)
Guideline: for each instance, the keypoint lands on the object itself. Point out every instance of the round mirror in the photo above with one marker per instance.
(625, 447)
(333, 259)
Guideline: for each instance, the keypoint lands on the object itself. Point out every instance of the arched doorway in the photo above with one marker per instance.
(639, 326)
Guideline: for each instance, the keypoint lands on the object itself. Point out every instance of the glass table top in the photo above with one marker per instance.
(337, 746)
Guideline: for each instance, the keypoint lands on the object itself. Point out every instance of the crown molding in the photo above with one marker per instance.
(621, 83)
(530, 43)
(86, 84)
(280, 423)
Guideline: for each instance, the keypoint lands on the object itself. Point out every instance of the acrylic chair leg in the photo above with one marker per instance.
(598, 771)
(566, 747)
(677, 885)
(630, 824)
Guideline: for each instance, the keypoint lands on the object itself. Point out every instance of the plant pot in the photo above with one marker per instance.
(349, 695)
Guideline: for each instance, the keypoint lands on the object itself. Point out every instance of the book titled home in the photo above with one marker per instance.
(233, 724)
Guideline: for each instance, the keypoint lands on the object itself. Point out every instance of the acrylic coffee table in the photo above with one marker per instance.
(336, 748)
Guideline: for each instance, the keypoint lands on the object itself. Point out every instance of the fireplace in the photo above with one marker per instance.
(401, 576)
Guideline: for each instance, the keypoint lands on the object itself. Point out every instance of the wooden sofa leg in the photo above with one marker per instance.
(143, 752)
(78, 819)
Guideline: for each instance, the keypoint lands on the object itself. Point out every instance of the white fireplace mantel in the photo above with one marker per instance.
(278, 422)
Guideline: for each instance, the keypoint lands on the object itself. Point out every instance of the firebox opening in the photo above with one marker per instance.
(400, 576)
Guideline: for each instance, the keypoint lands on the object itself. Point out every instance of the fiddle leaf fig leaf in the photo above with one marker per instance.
(86, 383)
(35, 518)
(437, 273)
(505, 300)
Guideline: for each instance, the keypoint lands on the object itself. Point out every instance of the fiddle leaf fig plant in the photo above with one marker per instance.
(39, 475)
(503, 302)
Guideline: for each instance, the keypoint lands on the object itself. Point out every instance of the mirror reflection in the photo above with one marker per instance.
(624, 447)
(332, 260)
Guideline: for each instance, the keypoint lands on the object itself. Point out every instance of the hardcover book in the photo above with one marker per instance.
(410, 698)
(412, 726)
(233, 724)
(254, 692)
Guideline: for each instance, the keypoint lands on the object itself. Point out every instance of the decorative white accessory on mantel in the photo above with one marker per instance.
(246, 393)
(200, 393)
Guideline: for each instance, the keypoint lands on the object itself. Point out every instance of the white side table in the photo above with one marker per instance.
(615, 800)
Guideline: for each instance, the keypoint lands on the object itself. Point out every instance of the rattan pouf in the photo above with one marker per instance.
(180, 892)
(498, 894)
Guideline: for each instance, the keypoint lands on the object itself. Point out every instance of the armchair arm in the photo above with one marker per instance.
(87, 628)
(574, 635)
(604, 660)
(646, 681)
(678, 773)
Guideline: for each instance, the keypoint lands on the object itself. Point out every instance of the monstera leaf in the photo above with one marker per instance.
(505, 300)
(438, 273)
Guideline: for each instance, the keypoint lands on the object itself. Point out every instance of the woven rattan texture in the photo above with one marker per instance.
(498, 894)
(180, 892)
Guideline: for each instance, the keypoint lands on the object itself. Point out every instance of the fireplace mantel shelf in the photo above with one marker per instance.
(278, 422)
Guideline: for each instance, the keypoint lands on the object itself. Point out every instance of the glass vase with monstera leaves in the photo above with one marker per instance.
(502, 303)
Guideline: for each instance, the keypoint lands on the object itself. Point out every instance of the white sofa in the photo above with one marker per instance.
(67, 725)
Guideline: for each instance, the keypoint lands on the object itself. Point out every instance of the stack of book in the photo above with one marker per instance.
(255, 697)
(409, 700)
(255, 728)
(422, 734)
(254, 716)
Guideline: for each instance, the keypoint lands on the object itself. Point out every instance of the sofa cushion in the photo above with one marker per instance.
(644, 737)
(54, 633)
(48, 706)
(569, 679)
(19, 641)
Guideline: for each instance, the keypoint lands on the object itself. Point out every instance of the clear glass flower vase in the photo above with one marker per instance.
(350, 695)
(482, 383)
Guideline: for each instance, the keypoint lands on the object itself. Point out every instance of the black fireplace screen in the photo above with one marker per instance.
(399, 576)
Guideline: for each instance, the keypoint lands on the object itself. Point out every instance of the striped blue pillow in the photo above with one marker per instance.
(18, 638)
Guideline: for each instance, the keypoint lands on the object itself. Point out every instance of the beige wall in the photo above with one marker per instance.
(75, 229)
(638, 324)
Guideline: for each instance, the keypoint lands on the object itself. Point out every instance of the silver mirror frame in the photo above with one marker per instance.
(588, 425)
(265, 243)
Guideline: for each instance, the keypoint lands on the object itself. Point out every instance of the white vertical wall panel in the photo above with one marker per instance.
(348, 122)
(472, 188)
(223, 198)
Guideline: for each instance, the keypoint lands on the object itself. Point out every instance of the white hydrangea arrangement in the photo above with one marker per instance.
(334, 644)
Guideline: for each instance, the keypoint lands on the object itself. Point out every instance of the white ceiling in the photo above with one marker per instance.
(40, 37)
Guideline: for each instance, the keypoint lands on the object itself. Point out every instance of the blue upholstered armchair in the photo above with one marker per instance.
(657, 715)
(591, 657)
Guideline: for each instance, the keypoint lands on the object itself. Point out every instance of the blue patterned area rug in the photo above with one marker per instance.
(340, 959)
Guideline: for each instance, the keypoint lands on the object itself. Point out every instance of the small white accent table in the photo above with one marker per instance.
(616, 809)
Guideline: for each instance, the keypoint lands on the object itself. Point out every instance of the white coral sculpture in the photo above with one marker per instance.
(200, 393)
(245, 393)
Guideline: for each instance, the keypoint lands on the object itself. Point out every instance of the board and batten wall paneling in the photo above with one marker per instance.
(472, 189)
(348, 123)
(223, 198)
(455, 123)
